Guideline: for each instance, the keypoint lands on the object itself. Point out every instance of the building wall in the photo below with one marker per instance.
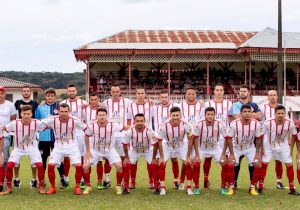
(16, 95)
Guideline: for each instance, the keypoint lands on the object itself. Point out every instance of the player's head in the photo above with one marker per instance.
(102, 115)
(272, 96)
(190, 94)
(209, 114)
(246, 112)
(244, 92)
(94, 99)
(26, 92)
(164, 97)
(115, 91)
(64, 111)
(139, 120)
(140, 93)
(2, 93)
(26, 112)
(71, 91)
(50, 95)
(175, 114)
(219, 91)
(280, 113)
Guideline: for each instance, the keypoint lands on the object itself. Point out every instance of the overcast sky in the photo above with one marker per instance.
(40, 35)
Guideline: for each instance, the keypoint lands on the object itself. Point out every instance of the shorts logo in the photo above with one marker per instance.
(192, 118)
(219, 116)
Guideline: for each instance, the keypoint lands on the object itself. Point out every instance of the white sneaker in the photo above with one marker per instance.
(87, 190)
(189, 191)
(163, 191)
(181, 186)
(119, 190)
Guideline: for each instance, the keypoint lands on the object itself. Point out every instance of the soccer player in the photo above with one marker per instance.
(161, 113)
(100, 137)
(141, 140)
(191, 113)
(141, 105)
(25, 130)
(2, 172)
(66, 145)
(171, 136)
(268, 112)
(235, 113)
(221, 107)
(208, 131)
(277, 130)
(76, 110)
(46, 138)
(26, 93)
(243, 131)
(117, 111)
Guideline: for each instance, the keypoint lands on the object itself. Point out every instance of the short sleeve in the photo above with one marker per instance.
(231, 130)
(127, 137)
(197, 129)
(10, 127)
(48, 122)
(89, 131)
(152, 137)
(188, 130)
(13, 110)
(161, 132)
(80, 125)
(40, 126)
(258, 132)
(293, 129)
(223, 130)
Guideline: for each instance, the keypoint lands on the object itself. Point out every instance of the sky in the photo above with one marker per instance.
(40, 35)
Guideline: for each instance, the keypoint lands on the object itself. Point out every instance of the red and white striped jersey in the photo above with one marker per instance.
(191, 113)
(209, 135)
(25, 135)
(244, 134)
(221, 110)
(140, 141)
(117, 111)
(161, 114)
(76, 107)
(174, 136)
(277, 134)
(102, 137)
(268, 112)
(64, 132)
(89, 115)
(1, 134)
(145, 109)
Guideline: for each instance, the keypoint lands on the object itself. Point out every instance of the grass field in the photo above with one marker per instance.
(142, 198)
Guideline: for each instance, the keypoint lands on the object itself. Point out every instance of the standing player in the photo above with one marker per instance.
(141, 105)
(117, 111)
(244, 131)
(46, 138)
(221, 107)
(2, 172)
(277, 131)
(141, 140)
(100, 137)
(174, 132)
(25, 130)
(235, 111)
(76, 110)
(161, 113)
(66, 145)
(26, 93)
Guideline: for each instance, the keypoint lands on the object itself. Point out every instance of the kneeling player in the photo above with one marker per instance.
(1, 161)
(25, 144)
(101, 134)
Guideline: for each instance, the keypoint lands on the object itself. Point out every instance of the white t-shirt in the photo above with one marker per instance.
(7, 109)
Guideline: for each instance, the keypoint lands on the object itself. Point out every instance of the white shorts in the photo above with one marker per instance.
(248, 153)
(33, 154)
(267, 147)
(58, 154)
(175, 153)
(134, 156)
(119, 137)
(81, 144)
(215, 153)
(112, 156)
(283, 154)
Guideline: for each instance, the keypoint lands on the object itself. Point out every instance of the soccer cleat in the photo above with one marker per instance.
(293, 192)
(223, 191)
(206, 184)
(132, 185)
(279, 186)
(162, 191)
(230, 191)
(125, 191)
(176, 185)
(33, 183)
(67, 184)
(87, 190)
(1, 188)
(252, 191)
(197, 191)
(236, 186)
(82, 185)
(17, 183)
(106, 184)
(7, 191)
(77, 190)
(119, 190)
(151, 186)
(42, 190)
(260, 190)
(100, 186)
(181, 186)
(51, 191)
(189, 191)
(156, 191)
(62, 184)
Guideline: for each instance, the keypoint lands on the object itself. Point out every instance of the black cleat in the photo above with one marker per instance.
(106, 184)
(260, 190)
(1, 188)
(17, 183)
(293, 192)
(279, 186)
(33, 183)
(125, 191)
(156, 191)
(206, 184)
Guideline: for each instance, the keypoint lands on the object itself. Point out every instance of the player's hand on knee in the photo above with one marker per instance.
(126, 160)
(154, 161)
(187, 161)
(196, 159)
(161, 160)
(1, 159)
(231, 159)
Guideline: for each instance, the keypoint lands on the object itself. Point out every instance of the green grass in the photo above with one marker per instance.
(142, 197)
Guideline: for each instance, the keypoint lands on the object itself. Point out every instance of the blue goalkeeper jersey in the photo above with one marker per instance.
(45, 111)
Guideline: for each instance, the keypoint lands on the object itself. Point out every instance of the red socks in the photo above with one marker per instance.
(223, 176)
(9, 173)
(41, 173)
(133, 169)
(206, 168)
(290, 175)
(182, 173)
(107, 167)
(278, 169)
(230, 174)
(51, 175)
(175, 169)
(99, 171)
(196, 174)
(1, 175)
(126, 169)
(119, 178)
(67, 165)
(78, 174)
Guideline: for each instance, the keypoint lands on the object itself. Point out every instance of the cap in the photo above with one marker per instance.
(2, 88)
